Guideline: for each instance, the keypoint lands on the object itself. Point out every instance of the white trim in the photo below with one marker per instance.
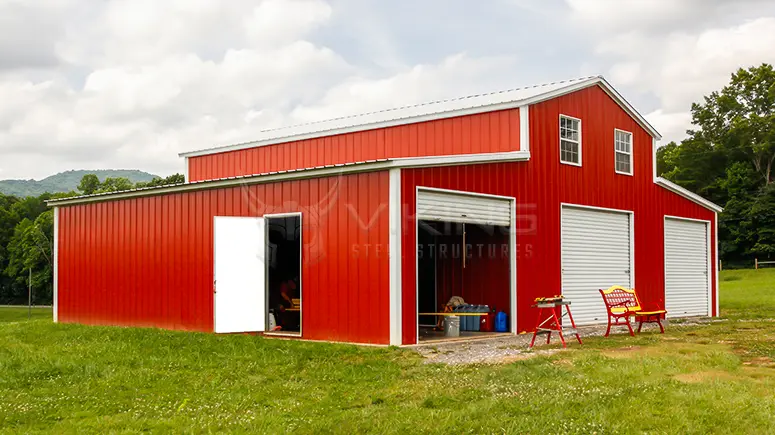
(461, 159)
(392, 118)
(707, 255)
(559, 141)
(716, 263)
(395, 221)
(688, 195)
(513, 261)
(512, 253)
(56, 266)
(654, 158)
(616, 151)
(301, 273)
(185, 170)
(610, 210)
(417, 269)
(316, 172)
(524, 128)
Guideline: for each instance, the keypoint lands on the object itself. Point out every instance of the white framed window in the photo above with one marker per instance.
(623, 151)
(570, 140)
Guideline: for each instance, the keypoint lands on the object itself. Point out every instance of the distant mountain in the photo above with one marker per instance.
(67, 181)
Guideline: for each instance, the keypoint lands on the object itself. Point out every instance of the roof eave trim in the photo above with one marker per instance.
(317, 172)
(669, 185)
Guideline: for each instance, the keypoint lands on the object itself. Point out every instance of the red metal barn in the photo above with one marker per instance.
(349, 229)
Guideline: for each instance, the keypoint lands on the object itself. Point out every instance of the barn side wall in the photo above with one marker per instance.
(542, 184)
(148, 261)
(481, 133)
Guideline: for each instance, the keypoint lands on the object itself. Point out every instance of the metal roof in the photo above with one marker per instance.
(291, 174)
(429, 111)
(196, 185)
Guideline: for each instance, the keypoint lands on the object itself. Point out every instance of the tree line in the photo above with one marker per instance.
(27, 237)
(728, 158)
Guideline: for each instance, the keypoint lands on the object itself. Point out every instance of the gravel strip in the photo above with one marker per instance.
(499, 350)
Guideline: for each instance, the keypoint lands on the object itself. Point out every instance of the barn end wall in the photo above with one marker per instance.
(148, 261)
(489, 132)
(542, 184)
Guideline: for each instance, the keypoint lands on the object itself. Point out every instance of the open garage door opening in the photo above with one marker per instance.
(283, 265)
(463, 268)
(464, 264)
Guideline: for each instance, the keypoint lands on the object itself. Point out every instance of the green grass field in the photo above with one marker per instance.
(718, 378)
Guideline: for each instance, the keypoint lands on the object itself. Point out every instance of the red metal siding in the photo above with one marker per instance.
(542, 184)
(482, 133)
(149, 261)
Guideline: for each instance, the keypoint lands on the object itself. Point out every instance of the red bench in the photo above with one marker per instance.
(622, 303)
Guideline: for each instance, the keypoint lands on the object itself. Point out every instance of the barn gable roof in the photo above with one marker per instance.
(468, 105)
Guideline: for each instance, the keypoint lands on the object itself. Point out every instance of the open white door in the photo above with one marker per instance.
(240, 274)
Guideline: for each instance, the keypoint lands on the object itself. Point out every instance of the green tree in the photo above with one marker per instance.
(740, 119)
(30, 249)
(115, 185)
(763, 222)
(729, 159)
(89, 184)
(158, 181)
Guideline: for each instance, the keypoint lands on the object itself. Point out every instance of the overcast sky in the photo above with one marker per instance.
(87, 84)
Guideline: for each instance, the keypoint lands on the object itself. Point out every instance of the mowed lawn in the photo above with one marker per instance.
(716, 378)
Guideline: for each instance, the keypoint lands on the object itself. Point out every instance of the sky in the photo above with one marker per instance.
(129, 84)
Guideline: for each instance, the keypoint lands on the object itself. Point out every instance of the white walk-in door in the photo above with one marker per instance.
(443, 206)
(596, 254)
(240, 275)
(686, 268)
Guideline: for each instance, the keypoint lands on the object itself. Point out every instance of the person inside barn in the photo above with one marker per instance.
(281, 301)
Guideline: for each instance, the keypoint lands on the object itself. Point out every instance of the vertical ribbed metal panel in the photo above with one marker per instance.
(149, 261)
(542, 184)
(686, 268)
(595, 248)
(481, 133)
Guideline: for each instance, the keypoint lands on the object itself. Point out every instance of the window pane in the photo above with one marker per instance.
(569, 151)
(623, 163)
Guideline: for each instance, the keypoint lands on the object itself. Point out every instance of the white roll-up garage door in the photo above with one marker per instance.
(596, 254)
(435, 205)
(686, 268)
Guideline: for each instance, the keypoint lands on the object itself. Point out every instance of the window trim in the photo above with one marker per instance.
(559, 141)
(632, 145)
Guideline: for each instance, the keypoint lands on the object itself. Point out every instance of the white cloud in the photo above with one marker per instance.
(675, 52)
(455, 76)
(688, 66)
(130, 83)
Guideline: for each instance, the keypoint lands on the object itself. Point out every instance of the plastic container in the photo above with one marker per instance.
(452, 326)
(463, 319)
(486, 320)
(475, 320)
(501, 322)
